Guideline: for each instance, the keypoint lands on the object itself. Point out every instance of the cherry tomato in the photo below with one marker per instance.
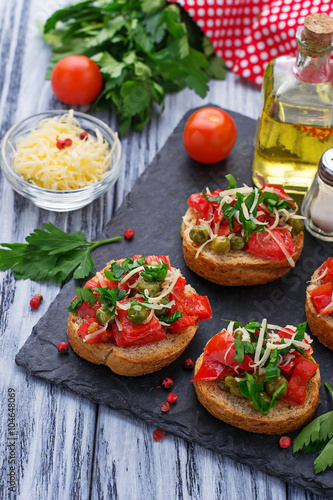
(76, 80)
(209, 135)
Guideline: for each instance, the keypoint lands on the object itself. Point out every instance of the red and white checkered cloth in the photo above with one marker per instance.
(248, 34)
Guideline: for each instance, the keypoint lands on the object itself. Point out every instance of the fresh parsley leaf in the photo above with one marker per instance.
(232, 181)
(172, 318)
(117, 270)
(50, 254)
(318, 436)
(110, 297)
(83, 295)
(155, 273)
(242, 348)
(272, 370)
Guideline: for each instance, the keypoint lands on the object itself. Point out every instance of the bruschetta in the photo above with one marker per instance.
(242, 236)
(319, 303)
(259, 377)
(135, 316)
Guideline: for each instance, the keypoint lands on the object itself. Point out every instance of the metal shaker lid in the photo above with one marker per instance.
(325, 167)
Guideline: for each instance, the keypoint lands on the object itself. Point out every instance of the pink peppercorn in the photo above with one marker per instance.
(172, 397)
(285, 442)
(36, 300)
(165, 406)
(129, 233)
(158, 435)
(167, 383)
(189, 364)
(84, 135)
(63, 347)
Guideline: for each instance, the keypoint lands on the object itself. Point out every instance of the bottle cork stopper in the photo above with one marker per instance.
(318, 30)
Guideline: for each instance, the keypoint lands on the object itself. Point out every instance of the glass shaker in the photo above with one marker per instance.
(317, 205)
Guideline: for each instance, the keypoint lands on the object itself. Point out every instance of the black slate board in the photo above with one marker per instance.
(154, 210)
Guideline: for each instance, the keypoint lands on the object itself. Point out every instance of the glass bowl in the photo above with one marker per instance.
(54, 200)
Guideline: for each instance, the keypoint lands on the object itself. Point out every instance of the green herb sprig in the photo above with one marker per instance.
(50, 254)
(144, 48)
(318, 436)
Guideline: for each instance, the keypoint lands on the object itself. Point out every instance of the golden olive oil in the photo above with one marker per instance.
(296, 119)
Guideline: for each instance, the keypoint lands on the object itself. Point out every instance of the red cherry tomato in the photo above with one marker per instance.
(76, 80)
(209, 135)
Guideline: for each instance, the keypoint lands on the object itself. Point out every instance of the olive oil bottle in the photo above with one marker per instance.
(296, 117)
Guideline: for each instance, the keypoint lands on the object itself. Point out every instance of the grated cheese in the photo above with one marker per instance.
(38, 160)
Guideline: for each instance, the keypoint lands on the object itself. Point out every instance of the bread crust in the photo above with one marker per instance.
(321, 325)
(233, 410)
(234, 268)
(130, 361)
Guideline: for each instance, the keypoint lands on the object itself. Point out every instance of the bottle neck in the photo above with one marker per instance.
(312, 63)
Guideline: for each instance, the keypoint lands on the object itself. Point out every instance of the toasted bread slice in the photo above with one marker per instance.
(233, 410)
(236, 267)
(130, 361)
(320, 325)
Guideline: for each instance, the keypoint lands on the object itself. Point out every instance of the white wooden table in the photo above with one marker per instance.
(66, 446)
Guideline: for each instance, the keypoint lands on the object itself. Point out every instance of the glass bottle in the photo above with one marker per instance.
(296, 121)
(317, 205)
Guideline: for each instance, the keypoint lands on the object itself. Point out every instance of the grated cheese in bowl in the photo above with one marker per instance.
(39, 161)
(57, 176)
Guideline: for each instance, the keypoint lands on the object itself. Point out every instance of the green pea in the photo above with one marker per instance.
(237, 242)
(297, 226)
(230, 381)
(153, 287)
(236, 392)
(221, 244)
(165, 310)
(273, 385)
(199, 234)
(103, 317)
(137, 314)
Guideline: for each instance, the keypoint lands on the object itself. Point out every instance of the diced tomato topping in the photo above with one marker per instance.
(91, 284)
(275, 188)
(211, 369)
(301, 375)
(199, 204)
(321, 296)
(328, 267)
(87, 310)
(182, 323)
(224, 229)
(222, 348)
(287, 366)
(130, 330)
(122, 341)
(263, 245)
(102, 337)
(198, 305)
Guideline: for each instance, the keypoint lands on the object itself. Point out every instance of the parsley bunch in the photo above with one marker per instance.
(318, 436)
(50, 254)
(144, 48)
